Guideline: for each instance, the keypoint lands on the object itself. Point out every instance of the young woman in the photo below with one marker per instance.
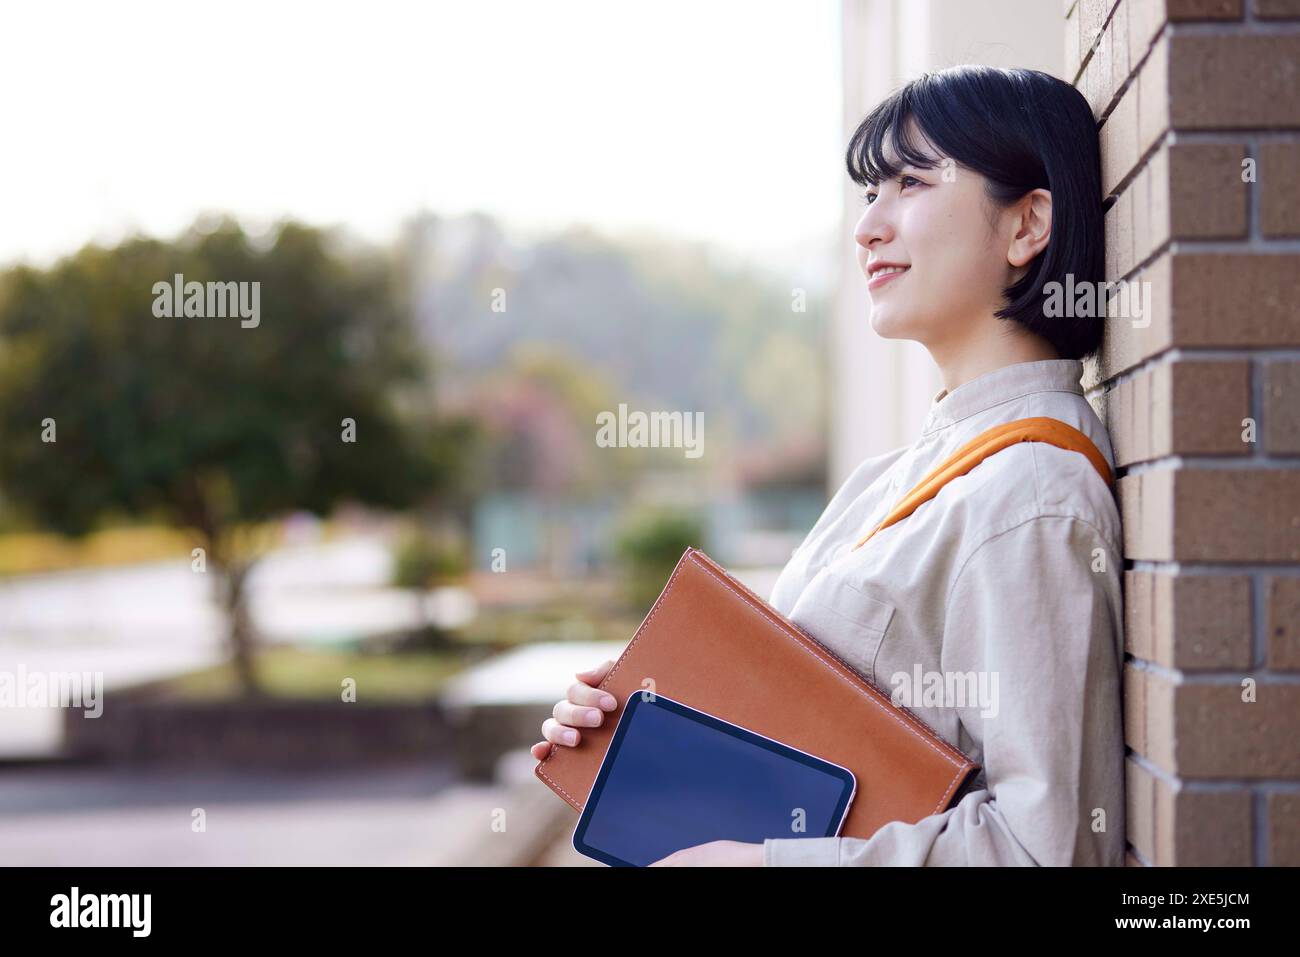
(982, 188)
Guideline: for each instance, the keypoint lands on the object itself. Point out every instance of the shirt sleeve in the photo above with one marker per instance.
(1037, 607)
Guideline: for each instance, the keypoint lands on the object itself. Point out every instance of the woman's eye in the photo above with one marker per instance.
(903, 181)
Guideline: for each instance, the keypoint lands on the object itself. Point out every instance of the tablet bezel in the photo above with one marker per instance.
(655, 698)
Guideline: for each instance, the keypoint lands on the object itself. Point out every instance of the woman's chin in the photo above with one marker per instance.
(887, 326)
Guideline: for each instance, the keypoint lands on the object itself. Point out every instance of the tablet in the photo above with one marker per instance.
(674, 777)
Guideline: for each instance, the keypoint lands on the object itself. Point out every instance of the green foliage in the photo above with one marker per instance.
(203, 421)
(314, 674)
(207, 421)
(422, 560)
(649, 546)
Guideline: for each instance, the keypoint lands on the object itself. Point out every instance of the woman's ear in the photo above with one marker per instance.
(1033, 227)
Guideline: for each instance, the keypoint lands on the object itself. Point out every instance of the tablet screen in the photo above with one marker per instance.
(674, 777)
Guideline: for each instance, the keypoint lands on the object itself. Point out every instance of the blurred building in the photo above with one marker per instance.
(882, 388)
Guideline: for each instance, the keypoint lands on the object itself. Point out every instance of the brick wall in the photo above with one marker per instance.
(1186, 92)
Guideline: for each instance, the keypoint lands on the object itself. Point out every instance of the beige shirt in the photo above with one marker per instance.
(994, 613)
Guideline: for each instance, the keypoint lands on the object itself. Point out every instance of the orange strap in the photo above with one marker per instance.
(1038, 429)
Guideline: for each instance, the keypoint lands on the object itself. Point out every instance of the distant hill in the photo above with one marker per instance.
(668, 325)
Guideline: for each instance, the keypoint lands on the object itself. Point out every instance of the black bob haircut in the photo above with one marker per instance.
(1022, 130)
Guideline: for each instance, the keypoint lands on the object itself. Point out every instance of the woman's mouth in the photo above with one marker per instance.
(883, 275)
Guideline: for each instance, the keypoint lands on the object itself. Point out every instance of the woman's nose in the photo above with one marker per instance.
(873, 225)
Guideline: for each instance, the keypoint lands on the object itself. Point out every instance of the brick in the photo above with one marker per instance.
(1144, 502)
(1119, 142)
(1277, 9)
(1128, 342)
(1123, 212)
(1145, 20)
(1188, 622)
(1098, 85)
(1158, 200)
(1234, 299)
(1153, 88)
(1236, 515)
(1189, 407)
(1207, 401)
(1212, 515)
(1207, 197)
(1279, 185)
(1135, 708)
(1072, 57)
(1120, 64)
(1218, 735)
(1282, 622)
(1202, 828)
(1118, 413)
(1281, 412)
(1232, 81)
(1203, 622)
(1204, 9)
(1121, 423)
(1159, 408)
(1282, 809)
(1160, 722)
(1092, 19)
(1140, 808)
(1110, 236)
(1139, 614)
(1142, 417)
(1143, 214)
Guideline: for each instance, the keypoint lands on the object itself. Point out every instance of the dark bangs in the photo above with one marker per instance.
(1021, 130)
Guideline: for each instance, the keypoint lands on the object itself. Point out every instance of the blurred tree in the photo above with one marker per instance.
(108, 409)
(649, 546)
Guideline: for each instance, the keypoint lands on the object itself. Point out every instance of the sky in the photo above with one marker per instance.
(712, 120)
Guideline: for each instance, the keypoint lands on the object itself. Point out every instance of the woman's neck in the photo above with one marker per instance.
(960, 363)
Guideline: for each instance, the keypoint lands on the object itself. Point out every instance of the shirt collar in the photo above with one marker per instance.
(1002, 385)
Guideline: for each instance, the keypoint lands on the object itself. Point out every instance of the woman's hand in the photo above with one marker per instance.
(583, 707)
(715, 854)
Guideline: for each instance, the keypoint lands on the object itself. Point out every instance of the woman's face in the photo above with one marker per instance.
(939, 226)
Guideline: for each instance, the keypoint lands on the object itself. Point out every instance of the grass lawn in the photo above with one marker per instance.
(507, 627)
(308, 673)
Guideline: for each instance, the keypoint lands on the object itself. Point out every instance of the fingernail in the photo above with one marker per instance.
(570, 737)
(608, 703)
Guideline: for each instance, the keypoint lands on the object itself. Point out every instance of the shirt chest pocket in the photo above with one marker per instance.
(845, 619)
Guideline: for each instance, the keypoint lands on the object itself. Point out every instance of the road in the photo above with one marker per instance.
(143, 622)
(89, 816)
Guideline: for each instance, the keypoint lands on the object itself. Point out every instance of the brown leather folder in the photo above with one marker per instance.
(711, 643)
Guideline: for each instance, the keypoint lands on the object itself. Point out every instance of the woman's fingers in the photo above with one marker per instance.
(594, 676)
(584, 706)
(584, 694)
(576, 715)
(557, 733)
